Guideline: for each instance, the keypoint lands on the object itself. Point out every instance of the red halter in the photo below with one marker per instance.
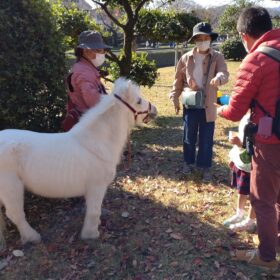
(147, 112)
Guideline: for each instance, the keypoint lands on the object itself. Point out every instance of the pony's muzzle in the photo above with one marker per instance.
(153, 113)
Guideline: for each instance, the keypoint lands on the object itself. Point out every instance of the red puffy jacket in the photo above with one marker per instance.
(258, 78)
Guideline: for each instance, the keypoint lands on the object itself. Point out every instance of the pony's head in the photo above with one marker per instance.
(128, 93)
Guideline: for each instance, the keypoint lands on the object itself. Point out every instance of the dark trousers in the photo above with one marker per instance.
(195, 125)
(265, 197)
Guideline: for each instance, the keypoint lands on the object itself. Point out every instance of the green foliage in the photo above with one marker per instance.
(131, 3)
(228, 21)
(72, 21)
(126, 15)
(142, 71)
(162, 26)
(233, 49)
(276, 22)
(32, 66)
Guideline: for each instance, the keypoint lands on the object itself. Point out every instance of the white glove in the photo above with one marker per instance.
(216, 82)
(175, 101)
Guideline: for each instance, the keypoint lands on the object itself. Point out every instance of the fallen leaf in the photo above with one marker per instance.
(125, 214)
(18, 253)
(176, 236)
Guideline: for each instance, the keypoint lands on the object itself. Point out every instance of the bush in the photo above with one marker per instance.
(143, 72)
(233, 49)
(32, 67)
(162, 58)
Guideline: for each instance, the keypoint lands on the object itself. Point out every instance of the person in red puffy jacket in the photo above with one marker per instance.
(258, 80)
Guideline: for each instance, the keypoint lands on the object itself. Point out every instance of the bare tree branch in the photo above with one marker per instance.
(105, 9)
(113, 57)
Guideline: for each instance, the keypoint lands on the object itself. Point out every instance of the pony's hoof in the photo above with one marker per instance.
(90, 234)
(34, 238)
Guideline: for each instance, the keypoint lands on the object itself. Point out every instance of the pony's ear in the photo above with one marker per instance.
(126, 89)
(132, 91)
(129, 88)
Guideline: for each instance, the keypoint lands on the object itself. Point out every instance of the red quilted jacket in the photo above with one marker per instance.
(258, 78)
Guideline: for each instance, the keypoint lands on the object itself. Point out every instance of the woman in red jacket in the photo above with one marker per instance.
(84, 81)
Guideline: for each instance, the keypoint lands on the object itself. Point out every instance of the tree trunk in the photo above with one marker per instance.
(126, 60)
(134, 45)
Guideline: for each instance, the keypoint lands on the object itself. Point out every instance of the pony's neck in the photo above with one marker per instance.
(107, 136)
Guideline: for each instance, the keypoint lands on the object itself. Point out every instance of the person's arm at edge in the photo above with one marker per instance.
(243, 93)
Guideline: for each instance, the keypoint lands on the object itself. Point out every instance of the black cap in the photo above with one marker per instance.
(203, 28)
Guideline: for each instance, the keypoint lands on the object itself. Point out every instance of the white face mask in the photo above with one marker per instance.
(203, 45)
(245, 46)
(99, 59)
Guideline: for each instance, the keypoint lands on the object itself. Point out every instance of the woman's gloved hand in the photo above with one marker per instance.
(175, 101)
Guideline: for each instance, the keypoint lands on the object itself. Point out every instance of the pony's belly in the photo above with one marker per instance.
(56, 175)
(55, 191)
(49, 184)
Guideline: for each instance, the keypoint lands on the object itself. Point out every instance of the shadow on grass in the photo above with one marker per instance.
(140, 239)
(158, 151)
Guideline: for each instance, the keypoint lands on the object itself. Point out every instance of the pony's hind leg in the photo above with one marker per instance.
(12, 196)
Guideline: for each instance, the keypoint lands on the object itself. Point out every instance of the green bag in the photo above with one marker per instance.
(193, 99)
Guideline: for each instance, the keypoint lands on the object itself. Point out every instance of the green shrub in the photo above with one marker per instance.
(32, 66)
(162, 58)
(233, 49)
(143, 71)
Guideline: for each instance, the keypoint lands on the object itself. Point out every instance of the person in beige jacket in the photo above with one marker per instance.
(205, 69)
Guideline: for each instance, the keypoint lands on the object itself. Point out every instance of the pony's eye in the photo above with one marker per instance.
(139, 101)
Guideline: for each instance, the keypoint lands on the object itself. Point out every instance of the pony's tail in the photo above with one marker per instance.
(2, 229)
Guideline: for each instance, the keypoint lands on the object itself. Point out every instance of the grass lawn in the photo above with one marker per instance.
(161, 224)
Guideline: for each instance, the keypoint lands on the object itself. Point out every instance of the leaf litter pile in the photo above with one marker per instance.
(156, 223)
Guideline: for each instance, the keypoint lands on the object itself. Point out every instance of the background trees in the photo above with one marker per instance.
(227, 22)
(134, 20)
(71, 21)
(232, 48)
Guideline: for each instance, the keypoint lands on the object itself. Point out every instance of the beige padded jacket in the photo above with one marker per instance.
(184, 72)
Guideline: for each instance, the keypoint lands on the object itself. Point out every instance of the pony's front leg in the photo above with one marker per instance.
(94, 200)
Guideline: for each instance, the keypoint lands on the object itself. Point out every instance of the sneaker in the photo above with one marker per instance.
(207, 176)
(252, 257)
(245, 225)
(233, 220)
(187, 169)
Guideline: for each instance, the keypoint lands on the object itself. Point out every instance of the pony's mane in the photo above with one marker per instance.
(93, 114)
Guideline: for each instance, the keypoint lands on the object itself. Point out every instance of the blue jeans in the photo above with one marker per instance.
(194, 124)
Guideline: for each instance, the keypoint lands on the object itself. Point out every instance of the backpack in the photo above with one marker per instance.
(274, 54)
(72, 114)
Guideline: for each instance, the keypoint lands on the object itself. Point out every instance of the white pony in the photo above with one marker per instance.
(80, 162)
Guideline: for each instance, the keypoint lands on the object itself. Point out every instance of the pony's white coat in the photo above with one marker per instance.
(81, 162)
